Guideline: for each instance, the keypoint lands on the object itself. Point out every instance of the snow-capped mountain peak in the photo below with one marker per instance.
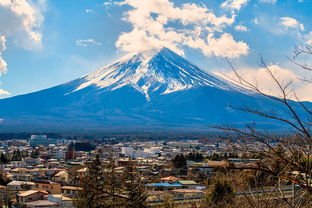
(157, 91)
(161, 71)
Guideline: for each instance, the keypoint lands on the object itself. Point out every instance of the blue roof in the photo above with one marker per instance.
(164, 184)
(200, 187)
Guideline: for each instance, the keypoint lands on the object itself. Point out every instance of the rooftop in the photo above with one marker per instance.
(60, 173)
(40, 203)
(187, 182)
(187, 191)
(170, 178)
(71, 188)
(59, 196)
(18, 183)
(20, 169)
(30, 192)
(164, 185)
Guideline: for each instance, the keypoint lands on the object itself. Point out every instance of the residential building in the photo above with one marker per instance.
(15, 186)
(21, 174)
(29, 196)
(51, 187)
(70, 191)
(60, 200)
(61, 177)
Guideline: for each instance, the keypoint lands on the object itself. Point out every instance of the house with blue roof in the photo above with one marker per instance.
(185, 184)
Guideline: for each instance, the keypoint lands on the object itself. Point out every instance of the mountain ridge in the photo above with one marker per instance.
(162, 91)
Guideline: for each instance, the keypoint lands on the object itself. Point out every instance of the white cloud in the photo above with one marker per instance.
(282, 26)
(108, 3)
(3, 92)
(241, 28)
(268, 1)
(234, 4)
(260, 77)
(2, 44)
(304, 92)
(159, 23)
(21, 20)
(3, 64)
(224, 46)
(87, 42)
(308, 38)
(138, 40)
(89, 11)
(289, 22)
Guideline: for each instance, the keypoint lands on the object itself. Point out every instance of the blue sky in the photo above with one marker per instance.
(48, 42)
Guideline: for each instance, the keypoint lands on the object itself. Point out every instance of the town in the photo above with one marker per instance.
(45, 172)
(155, 104)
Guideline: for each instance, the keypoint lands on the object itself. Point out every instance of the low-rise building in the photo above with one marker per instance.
(15, 186)
(61, 201)
(61, 177)
(21, 174)
(70, 191)
(188, 184)
(51, 187)
(30, 196)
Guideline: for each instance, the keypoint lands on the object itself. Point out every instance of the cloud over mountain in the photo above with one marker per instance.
(160, 23)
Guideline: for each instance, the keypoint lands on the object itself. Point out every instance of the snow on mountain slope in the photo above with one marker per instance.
(160, 71)
(148, 90)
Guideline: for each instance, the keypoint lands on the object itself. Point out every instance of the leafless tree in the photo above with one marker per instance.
(287, 158)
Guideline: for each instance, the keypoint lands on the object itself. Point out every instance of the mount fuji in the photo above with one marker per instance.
(155, 90)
